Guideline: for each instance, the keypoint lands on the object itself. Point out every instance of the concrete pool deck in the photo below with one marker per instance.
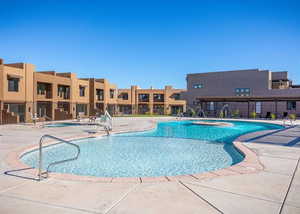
(275, 189)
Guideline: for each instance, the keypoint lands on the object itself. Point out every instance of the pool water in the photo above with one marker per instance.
(61, 124)
(173, 148)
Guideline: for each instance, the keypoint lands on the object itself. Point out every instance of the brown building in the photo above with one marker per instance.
(150, 101)
(103, 96)
(59, 96)
(16, 92)
(25, 93)
(243, 91)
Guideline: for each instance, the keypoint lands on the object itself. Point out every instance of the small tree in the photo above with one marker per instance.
(253, 115)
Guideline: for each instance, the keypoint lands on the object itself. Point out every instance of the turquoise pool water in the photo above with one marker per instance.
(173, 148)
(61, 124)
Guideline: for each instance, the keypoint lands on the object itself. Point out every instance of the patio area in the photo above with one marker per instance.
(275, 189)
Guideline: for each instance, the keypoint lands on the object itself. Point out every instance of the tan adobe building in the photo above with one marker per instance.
(103, 96)
(59, 96)
(16, 92)
(150, 101)
(49, 95)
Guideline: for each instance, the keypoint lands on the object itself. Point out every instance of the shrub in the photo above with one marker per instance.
(253, 114)
(193, 113)
(236, 113)
(221, 115)
(292, 116)
(273, 116)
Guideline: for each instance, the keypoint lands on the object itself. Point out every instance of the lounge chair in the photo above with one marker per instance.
(268, 115)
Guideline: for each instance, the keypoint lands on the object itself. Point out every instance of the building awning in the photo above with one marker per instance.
(16, 76)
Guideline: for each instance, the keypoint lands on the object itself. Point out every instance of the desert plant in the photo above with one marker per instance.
(221, 115)
(273, 116)
(253, 115)
(292, 116)
(193, 113)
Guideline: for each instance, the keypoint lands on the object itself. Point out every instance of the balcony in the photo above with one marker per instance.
(143, 97)
(158, 97)
(44, 91)
(63, 92)
(100, 94)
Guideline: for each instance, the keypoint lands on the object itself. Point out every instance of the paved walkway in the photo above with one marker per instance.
(274, 190)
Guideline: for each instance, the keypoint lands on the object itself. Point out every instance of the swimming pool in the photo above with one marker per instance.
(52, 125)
(173, 148)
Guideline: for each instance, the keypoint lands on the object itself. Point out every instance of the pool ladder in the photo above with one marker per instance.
(44, 174)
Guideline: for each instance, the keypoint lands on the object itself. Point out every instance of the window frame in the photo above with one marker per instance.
(291, 105)
(15, 87)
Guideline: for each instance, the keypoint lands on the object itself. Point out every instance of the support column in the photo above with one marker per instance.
(150, 105)
(53, 107)
(28, 111)
(166, 108)
(276, 108)
(1, 109)
(248, 109)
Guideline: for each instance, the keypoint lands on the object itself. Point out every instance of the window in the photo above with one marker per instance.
(123, 96)
(158, 97)
(176, 96)
(198, 86)
(291, 105)
(211, 106)
(258, 107)
(144, 97)
(100, 94)
(13, 84)
(111, 93)
(242, 92)
(41, 89)
(63, 91)
(81, 91)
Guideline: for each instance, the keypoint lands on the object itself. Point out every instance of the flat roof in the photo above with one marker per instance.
(246, 98)
(240, 70)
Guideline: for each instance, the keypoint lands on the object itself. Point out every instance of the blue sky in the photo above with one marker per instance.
(151, 43)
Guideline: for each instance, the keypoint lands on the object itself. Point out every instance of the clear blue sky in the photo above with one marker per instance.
(151, 43)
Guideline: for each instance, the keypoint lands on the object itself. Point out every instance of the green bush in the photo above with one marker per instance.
(253, 115)
(273, 116)
(221, 115)
(292, 116)
(236, 113)
(193, 113)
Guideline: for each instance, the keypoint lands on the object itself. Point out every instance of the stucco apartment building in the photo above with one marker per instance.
(243, 91)
(151, 101)
(25, 92)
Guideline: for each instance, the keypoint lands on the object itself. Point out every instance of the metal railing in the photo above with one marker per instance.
(40, 174)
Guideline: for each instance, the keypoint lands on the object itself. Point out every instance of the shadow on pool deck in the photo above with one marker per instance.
(12, 173)
(274, 139)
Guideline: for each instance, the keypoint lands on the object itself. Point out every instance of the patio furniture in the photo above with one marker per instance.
(268, 115)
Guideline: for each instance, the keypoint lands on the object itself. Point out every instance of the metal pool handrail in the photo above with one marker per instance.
(56, 162)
